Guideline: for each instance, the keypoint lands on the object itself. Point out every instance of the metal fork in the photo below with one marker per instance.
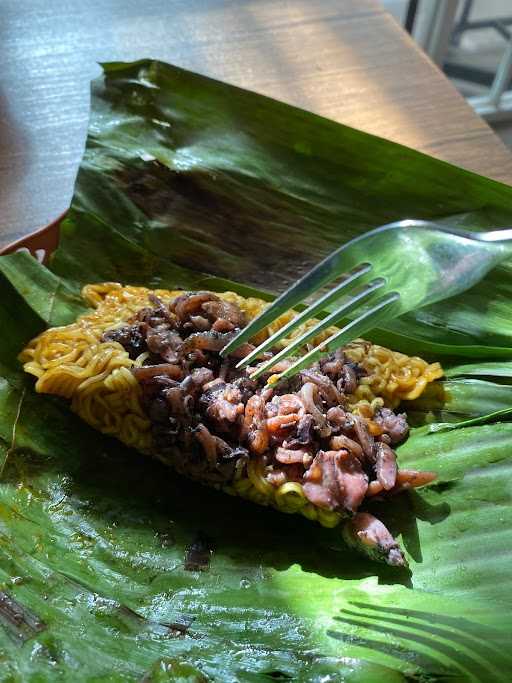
(384, 273)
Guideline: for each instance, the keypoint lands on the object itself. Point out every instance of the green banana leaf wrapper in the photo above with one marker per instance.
(190, 182)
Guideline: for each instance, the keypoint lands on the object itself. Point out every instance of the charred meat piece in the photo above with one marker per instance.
(385, 466)
(326, 387)
(191, 304)
(254, 428)
(364, 437)
(199, 323)
(343, 442)
(339, 420)
(348, 379)
(247, 388)
(224, 408)
(309, 397)
(222, 325)
(342, 373)
(289, 404)
(395, 426)
(225, 311)
(204, 341)
(336, 481)
(163, 341)
(289, 456)
(412, 479)
(208, 442)
(161, 310)
(153, 388)
(219, 454)
(332, 365)
(162, 370)
(130, 337)
(405, 480)
(303, 434)
(195, 382)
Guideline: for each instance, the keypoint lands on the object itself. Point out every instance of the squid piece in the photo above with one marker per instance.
(368, 535)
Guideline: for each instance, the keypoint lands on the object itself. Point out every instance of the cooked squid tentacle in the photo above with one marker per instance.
(369, 536)
(385, 466)
(412, 479)
(336, 481)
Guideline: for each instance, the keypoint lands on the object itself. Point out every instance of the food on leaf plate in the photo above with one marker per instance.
(145, 366)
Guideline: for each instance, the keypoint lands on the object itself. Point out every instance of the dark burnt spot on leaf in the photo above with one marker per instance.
(178, 627)
(278, 675)
(224, 219)
(19, 622)
(156, 189)
(198, 555)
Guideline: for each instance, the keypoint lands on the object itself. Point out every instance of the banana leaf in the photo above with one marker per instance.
(189, 182)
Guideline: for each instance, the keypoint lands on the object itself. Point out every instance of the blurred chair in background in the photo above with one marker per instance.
(471, 40)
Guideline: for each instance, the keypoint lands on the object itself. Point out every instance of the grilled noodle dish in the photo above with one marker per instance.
(145, 366)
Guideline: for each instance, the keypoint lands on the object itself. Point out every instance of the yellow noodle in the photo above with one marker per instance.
(256, 473)
(290, 497)
(73, 362)
(310, 511)
(391, 375)
(328, 517)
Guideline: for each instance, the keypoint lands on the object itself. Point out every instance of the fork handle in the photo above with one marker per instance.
(495, 236)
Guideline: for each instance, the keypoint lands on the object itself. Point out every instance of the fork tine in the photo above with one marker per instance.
(382, 310)
(352, 303)
(310, 312)
(311, 282)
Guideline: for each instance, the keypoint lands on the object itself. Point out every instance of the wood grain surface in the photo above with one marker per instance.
(345, 59)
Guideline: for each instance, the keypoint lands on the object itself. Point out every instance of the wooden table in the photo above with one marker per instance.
(346, 59)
